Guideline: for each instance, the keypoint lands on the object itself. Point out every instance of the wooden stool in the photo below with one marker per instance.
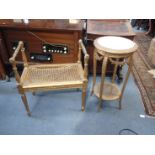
(118, 51)
(44, 77)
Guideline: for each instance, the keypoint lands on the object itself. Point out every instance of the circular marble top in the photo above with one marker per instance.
(115, 45)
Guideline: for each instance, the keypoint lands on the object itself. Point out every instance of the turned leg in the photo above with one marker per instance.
(24, 99)
(84, 95)
(83, 100)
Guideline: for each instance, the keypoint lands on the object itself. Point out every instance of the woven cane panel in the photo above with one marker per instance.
(42, 75)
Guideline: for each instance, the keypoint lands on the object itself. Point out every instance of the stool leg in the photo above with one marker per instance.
(104, 66)
(84, 95)
(94, 72)
(24, 99)
(125, 82)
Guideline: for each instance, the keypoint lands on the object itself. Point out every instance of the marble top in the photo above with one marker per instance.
(113, 44)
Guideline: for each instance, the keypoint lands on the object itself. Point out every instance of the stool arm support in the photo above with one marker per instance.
(86, 57)
(20, 48)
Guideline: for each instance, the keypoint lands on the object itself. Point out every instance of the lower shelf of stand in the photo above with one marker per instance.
(110, 91)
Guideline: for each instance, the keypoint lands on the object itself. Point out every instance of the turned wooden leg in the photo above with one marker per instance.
(84, 95)
(24, 99)
(83, 100)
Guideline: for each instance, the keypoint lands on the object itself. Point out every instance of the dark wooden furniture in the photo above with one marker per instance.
(2, 69)
(151, 30)
(59, 32)
(48, 41)
(111, 27)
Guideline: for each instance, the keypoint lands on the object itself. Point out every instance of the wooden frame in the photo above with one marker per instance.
(44, 77)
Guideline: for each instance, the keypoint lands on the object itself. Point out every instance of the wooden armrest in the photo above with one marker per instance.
(83, 48)
(86, 57)
(19, 47)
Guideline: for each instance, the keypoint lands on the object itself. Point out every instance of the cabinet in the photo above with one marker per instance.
(2, 49)
(2, 70)
(49, 41)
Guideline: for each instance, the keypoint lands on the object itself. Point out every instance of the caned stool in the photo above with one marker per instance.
(118, 51)
(44, 77)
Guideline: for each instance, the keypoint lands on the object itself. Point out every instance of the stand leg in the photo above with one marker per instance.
(94, 72)
(104, 66)
(125, 82)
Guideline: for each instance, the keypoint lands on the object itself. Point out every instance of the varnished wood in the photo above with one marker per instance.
(24, 99)
(44, 77)
(38, 32)
(84, 89)
(2, 67)
(34, 45)
(2, 70)
(18, 49)
(113, 27)
(42, 24)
